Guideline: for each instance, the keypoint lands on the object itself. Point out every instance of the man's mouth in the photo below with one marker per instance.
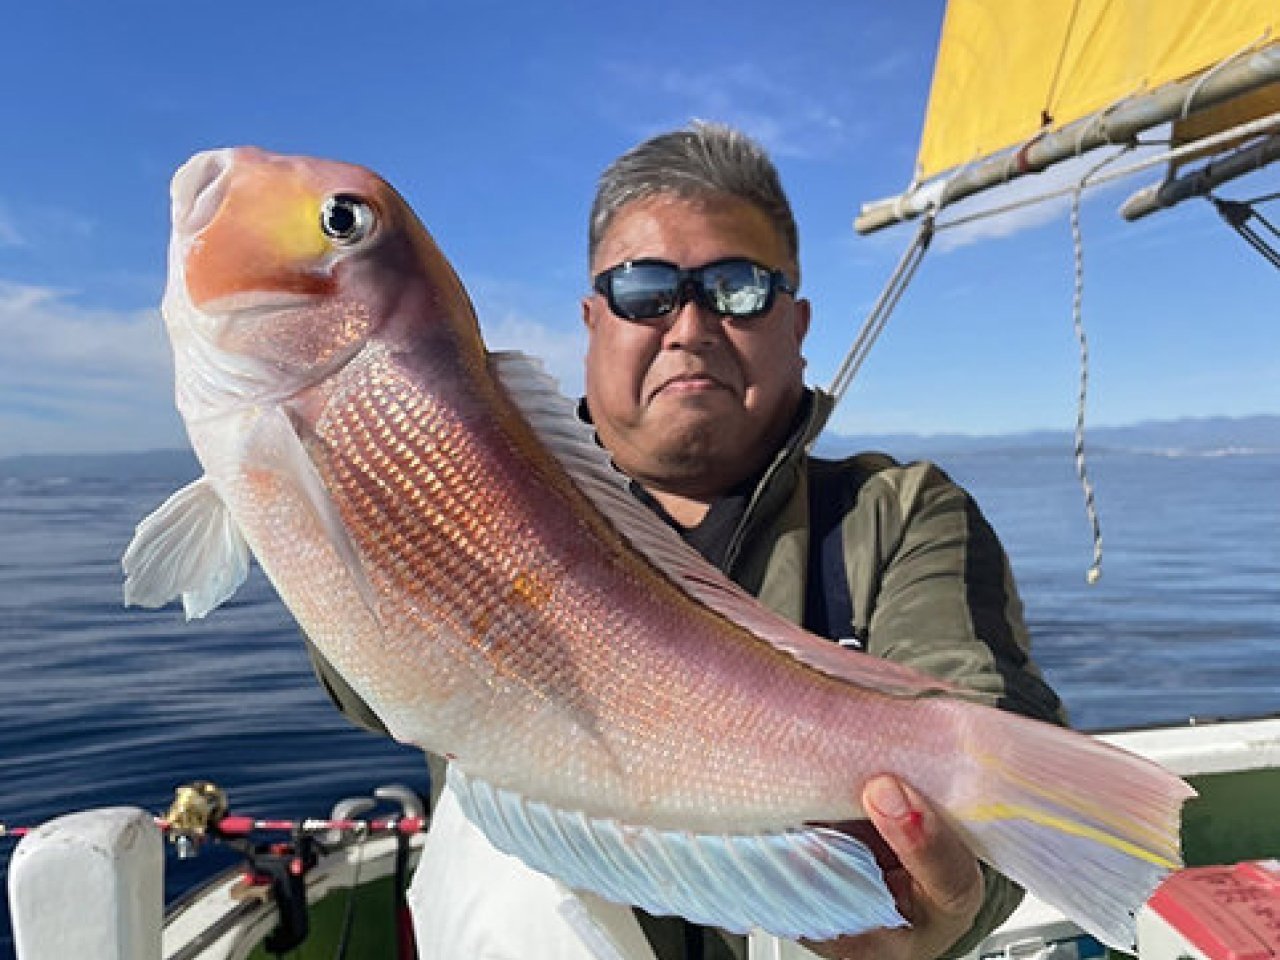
(688, 383)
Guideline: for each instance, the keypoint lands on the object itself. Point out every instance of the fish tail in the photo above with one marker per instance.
(1089, 828)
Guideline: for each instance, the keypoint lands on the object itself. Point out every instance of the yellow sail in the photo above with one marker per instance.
(1008, 69)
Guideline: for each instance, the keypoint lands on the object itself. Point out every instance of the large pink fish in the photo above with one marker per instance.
(618, 713)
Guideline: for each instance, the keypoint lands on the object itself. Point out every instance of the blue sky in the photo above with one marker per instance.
(494, 119)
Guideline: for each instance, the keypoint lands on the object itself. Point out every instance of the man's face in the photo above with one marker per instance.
(692, 403)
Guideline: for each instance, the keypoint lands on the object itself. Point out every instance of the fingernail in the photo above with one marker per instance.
(886, 796)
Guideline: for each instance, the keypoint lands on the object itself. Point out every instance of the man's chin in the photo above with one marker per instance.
(691, 446)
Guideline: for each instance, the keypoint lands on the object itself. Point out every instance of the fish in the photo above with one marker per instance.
(616, 712)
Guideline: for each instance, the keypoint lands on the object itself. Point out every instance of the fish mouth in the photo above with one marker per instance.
(198, 189)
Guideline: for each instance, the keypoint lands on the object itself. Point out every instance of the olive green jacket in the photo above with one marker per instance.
(929, 584)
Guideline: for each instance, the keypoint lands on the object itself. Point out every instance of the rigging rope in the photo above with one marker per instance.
(1094, 573)
(897, 285)
(1077, 320)
(884, 306)
(1238, 213)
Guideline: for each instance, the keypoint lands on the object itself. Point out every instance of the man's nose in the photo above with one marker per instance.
(692, 325)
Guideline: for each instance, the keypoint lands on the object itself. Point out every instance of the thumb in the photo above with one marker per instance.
(942, 869)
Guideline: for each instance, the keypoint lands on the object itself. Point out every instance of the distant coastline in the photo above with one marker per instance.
(1207, 436)
(1199, 436)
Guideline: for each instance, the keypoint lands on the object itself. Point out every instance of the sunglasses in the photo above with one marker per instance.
(648, 289)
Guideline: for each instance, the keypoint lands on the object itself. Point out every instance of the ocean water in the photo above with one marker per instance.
(102, 705)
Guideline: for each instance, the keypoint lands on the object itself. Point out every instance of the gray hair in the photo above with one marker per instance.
(701, 160)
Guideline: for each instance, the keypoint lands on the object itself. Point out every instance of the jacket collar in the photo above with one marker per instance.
(778, 482)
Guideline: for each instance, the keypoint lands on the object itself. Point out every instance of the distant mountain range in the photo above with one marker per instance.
(1257, 434)
(1202, 435)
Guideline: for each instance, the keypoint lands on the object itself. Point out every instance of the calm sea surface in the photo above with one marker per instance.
(101, 705)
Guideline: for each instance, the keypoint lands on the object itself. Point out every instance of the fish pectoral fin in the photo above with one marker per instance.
(279, 446)
(189, 547)
(811, 882)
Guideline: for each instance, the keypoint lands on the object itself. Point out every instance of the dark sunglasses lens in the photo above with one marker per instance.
(643, 291)
(737, 288)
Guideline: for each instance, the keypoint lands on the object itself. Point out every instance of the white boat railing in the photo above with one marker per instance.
(89, 884)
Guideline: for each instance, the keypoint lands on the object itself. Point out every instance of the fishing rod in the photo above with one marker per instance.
(200, 812)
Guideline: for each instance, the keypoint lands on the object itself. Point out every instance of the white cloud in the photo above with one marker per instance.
(540, 317)
(560, 351)
(788, 122)
(74, 378)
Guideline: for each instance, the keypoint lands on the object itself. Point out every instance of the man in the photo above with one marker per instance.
(694, 384)
(708, 414)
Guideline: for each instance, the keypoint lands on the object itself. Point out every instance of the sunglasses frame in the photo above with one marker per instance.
(689, 285)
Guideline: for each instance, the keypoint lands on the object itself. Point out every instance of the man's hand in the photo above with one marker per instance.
(936, 880)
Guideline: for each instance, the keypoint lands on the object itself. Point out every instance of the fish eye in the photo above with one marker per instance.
(346, 219)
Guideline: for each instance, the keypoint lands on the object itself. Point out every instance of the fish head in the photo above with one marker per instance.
(282, 268)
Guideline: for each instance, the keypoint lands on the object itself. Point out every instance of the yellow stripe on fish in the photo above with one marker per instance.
(1009, 811)
(1141, 836)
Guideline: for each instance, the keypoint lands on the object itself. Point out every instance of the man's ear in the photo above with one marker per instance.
(800, 320)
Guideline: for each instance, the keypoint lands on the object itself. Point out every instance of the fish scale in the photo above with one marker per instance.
(442, 549)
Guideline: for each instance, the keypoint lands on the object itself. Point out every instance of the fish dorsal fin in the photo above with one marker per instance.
(189, 547)
(573, 443)
(811, 882)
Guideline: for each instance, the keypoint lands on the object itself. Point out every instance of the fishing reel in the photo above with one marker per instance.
(195, 812)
